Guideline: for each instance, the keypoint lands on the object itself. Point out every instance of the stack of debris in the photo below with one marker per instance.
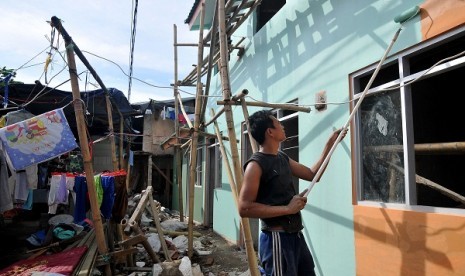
(150, 240)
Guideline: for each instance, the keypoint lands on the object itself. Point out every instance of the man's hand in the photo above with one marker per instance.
(297, 202)
(335, 134)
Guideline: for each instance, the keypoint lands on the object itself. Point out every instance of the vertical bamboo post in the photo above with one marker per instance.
(225, 160)
(149, 170)
(84, 143)
(121, 143)
(112, 133)
(226, 86)
(177, 149)
(195, 138)
(56, 23)
(128, 173)
(252, 141)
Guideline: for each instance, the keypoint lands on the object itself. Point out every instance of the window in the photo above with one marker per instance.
(198, 167)
(266, 10)
(409, 140)
(214, 163)
(199, 164)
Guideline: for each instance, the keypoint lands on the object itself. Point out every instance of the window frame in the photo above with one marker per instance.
(402, 59)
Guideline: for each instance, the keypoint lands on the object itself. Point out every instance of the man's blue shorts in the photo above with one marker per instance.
(285, 254)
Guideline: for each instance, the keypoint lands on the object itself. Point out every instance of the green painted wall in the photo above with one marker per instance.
(307, 47)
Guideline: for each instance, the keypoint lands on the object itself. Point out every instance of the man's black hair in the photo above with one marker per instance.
(259, 122)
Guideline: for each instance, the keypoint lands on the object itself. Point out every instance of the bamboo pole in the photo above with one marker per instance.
(112, 133)
(156, 219)
(84, 143)
(236, 97)
(149, 170)
(226, 162)
(252, 141)
(121, 143)
(57, 24)
(177, 149)
(270, 105)
(184, 112)
(213, 30)
(128, 173)
(433, 185)
(226, 86)
(427, 148)
(194, 140)
(162, 173)
(135, 227)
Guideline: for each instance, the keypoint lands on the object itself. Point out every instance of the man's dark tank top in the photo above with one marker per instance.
(276, 189)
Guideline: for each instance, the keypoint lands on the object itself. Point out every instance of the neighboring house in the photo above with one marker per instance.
(157, 123)
(391, 201)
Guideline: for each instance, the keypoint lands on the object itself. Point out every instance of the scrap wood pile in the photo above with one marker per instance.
(137, 247)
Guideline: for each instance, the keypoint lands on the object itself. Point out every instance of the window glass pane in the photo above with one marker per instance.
(381, 146)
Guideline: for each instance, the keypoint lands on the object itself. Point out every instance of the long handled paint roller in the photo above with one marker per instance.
(402, 18)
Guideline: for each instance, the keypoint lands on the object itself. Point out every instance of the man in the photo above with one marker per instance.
(268, 193)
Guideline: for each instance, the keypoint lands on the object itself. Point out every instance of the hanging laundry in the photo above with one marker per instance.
(6, 201)
(37, 139)
(115, 199)
(170, 113)
(82, 198)
(182, 119)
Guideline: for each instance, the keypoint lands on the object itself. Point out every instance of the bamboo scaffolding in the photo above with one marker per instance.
(194, 141)
(226, 162)
(57, 24)
(213, 31)
(236, 97)
(184, 112)
(226, 88)
(427, 148)
(270, 105)
(82, 133)
(233, 21)
(177, 149)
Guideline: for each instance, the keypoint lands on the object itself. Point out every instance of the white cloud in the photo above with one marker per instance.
(102, 28)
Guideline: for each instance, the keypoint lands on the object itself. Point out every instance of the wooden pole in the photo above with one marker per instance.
(156, 219)
(213, 31)
(57, 24)
(184, 112)
(427, 148)
(112, 133)
(236, 97)
(252, 141)
(84, 143)
(177, 149)
(270, 105)
(226, 162)
(121, 143)
(226, 86)
(195, 139)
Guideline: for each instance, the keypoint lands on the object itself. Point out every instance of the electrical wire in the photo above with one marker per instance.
(142, 81)
(425, 72)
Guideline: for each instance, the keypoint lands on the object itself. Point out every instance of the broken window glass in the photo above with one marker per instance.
(382, 152)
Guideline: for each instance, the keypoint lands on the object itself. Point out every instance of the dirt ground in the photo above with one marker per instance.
(226, 258)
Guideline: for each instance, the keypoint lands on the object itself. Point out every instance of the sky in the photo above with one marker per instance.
(100, 28)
